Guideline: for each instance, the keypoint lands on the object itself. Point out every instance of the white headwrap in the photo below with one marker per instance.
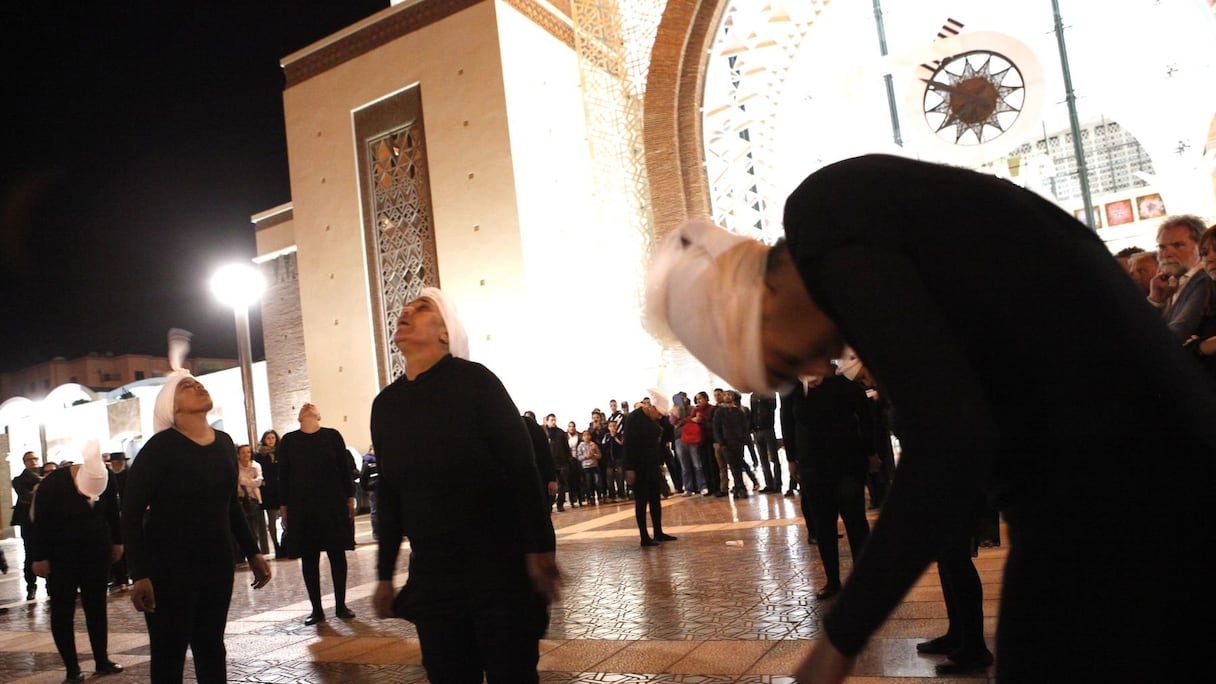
(659, 400)
(164, 409)
(92, 475)
(458, 339)
(705, 289)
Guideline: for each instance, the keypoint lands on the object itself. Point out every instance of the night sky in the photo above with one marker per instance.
(138, 139)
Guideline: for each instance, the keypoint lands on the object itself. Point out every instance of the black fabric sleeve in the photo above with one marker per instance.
(142, 477)
(507, 440)
(344, 464)
(388, 507)
(947, 432)
(284, 454)
(113, 515)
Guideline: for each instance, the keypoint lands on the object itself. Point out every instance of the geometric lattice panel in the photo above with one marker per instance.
(399, 230)
(405, 231)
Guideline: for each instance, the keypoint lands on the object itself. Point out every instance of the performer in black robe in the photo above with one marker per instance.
(644, 456)
(75, 537)
(481, 566)
(1018, 356)
(180, 514)
(317, 486)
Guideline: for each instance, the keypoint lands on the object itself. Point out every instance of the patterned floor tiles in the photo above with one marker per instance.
(733, 600)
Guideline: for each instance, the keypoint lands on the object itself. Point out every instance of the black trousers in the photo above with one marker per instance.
(832, 498)
(963, 594)
(27, 566)
(90, 576)
(647, 493)
(495, 636)
(190, 612)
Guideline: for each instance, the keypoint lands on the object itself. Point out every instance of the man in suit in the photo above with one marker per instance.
(1180, 287)
(24, 485)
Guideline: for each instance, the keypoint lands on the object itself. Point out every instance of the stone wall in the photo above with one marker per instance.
(283, 337)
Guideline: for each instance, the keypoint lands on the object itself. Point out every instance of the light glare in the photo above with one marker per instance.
(237, 285)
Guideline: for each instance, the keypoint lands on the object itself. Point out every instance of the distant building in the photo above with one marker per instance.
(98, 372)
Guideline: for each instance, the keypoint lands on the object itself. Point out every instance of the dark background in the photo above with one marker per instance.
(138, 140)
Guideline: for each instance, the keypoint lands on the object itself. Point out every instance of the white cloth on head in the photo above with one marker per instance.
(458, 339)
(163, 411)
(705, 289)
(659, 400)
(165, 407)
(92, 476)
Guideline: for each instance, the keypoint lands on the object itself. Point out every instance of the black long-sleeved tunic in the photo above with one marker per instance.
(1017, 354)
(458, 478)
(180, 508)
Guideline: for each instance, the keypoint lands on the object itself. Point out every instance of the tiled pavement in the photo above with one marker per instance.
(731, 601)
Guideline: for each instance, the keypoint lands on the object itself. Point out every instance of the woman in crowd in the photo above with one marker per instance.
(318, 512)
(249, 491)
(267, 457)
(1204, 341)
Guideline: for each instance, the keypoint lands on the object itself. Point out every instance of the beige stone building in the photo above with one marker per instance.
(524, 154)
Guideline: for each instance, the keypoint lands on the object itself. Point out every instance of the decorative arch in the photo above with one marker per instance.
(671, 129)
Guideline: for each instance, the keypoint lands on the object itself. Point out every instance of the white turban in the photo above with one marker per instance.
(659, 400)
(92, 476)
(165, 407)
(458, 339)
(705, 289)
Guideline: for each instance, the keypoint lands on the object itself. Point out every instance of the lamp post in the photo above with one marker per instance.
(238, 286)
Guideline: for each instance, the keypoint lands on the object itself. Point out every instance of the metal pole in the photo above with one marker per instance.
(1071, 98)
(882, 47)
(244, 353)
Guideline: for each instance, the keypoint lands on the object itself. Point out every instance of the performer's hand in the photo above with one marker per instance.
(631, 477)
(41, 568)
(260, 568)
(382, 599)
(350, 508)
(824, 665)
(552, 488)
(143, 597)
(546, 578)
(283, 517)
(115, 553)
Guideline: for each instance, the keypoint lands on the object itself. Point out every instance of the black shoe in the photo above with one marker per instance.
(109, 667)
(30, 595)
(649, 542)
(74, 677)
(664, 537)
(942, 645)
(965, 664)
(720, 494)
(828, 591)
(789, 492)
(314, 619)
(344, 613)
(813, 540)
(742, 494)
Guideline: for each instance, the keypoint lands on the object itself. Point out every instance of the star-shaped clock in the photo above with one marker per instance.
(974, 97)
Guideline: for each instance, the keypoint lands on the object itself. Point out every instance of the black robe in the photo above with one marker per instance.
(1019, 355)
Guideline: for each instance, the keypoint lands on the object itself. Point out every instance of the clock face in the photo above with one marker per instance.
(974, 97)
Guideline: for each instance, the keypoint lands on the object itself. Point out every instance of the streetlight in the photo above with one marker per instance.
(238, 286)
